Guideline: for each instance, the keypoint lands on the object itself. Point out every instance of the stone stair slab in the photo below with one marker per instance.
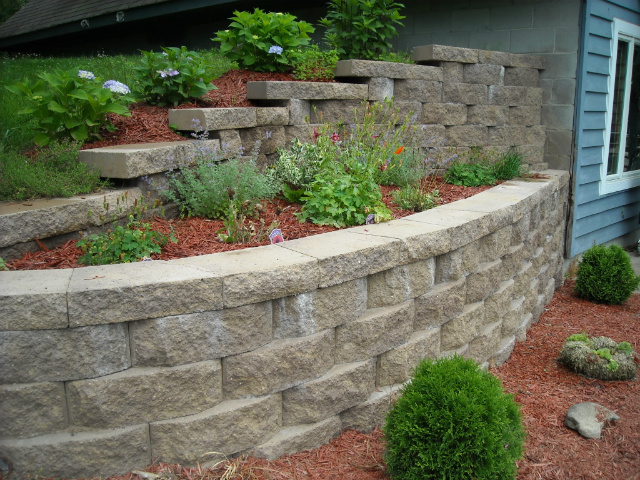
(306, 91)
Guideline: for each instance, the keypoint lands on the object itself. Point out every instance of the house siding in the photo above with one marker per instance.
(599, 218)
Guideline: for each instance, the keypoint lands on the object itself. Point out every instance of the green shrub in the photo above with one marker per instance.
(509, 166)
(453, 421)
(470, 174)
(411, 197)
(263, 41)
(173, 76)
(311, 63)
(605, 275)
(73, 103)
(361, 28)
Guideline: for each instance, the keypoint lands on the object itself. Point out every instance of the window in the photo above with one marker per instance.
(621, 165)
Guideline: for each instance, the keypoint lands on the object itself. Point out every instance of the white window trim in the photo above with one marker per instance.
(622, 180)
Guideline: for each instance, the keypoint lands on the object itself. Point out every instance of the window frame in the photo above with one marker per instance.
(621, 180)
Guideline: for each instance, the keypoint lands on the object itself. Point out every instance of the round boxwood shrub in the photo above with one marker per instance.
(605, 275)
(453, 421)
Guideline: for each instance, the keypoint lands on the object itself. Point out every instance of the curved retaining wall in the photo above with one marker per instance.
(266, 350)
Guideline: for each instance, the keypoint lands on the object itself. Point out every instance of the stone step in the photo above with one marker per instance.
(374, 69)
(137, 160)
(211, 119)
(306, 91)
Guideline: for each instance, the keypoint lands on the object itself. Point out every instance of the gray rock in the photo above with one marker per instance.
(588, 419)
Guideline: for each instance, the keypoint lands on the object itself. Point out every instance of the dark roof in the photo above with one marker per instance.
(42, 14)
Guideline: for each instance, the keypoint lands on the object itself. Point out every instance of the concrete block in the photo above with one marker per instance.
(452, 72)
(467, 135)
(336, 111)
(537, 40)
(512, 261)
(465, 93)
(514, 96)
(230, 143)
(32, 409)
(365, 416)
(521, 77)
(264, 140)
(299, 111)
(196, 337)
(442, 303)
(460, 330)
(441, 53)
(525, 324)
(380, 88)
(272, 116)
(304, 133)
(311, 312)
(527, 116)
(369, 68)
(483, 346)
(341, 388)
(496, 244)
(528, 61)
(489, 115)
(34, 300)
(397, 365)
(497, 305)
(513, 317)
(401, 283)
(557, 117)
(484, 281)
(209, 119)
(444, 113)
(228, 428)
(420, 90)
(80, 454)
(484, 74)
(507, 135)
(58, 355)
(457, 263)
(306, 91)
(143, 395)
(277, 366)
(299, 437)
(504, 351)
(493, 57)
(378, 330)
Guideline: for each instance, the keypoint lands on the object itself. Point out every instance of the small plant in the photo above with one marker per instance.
(509, 166)
(263, 41)
(311, 63)
(72, 103)
(173, 76)
(453, 421)
(605, 275)
(361, 28)
(470, 174)
(3, 265)
(599, 357)
(411, 197)
(238, 229)
(124, 244)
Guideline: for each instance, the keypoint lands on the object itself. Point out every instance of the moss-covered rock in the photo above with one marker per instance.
(599, 357)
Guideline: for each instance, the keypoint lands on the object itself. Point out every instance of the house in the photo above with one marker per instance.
(591, 94)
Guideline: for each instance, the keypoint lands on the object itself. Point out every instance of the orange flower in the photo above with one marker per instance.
(400, 149)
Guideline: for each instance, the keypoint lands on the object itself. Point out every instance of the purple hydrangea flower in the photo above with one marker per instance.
(86, 74)
(276, 49)
(170, 72)
(116, 87)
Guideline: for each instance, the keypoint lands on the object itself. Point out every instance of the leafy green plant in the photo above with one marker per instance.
(71, 103)
(239, 229)
(3, 265)
(453, 421)
(605, 275)
(361, 28)
(173, 76)
(209, 187)
(124, 244)
(311, 63)
(396, 57)
(411, 197)
(263, 41)
(470, 174)
(54, 172)
(509, 166)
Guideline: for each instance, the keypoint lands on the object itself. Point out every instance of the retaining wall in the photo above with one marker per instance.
(267, 350)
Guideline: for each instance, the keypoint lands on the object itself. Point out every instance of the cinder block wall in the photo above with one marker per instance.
(268, 350)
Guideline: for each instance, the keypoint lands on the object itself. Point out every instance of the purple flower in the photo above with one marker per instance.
(170, 72)
(86, 74)
(116, 87)
(276, 49)
(371, 218)
(276, 236)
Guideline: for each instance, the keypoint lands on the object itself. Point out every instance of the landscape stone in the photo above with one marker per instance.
(589, 418)
(32, 409)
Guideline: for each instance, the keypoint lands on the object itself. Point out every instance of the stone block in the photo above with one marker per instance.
(299, 111)
(397, 365)
(512, 261)
(520, 231)
(484, 74)
(497, 305)
(521, 77)
(228, 428)
(369, 68)
(421, 90)
(452, 72)
(527, 116)
(34, 300)
(460, 330)
(341, 388)
(196, 337)
(305, 91)
(527, 61)
(277, 366)
(373, 412)
(311, 312)
(515, 96)
(440, 304)
(489, 115)
(494, 58)
(304, 133)
(378, 330)
(270, 116)
(344, 255)
(507, 135)
(264, 140)
(143, 395)
(457, 263)
(467, 135)
(464, 93)
(81, 454)
(523, 278)
(230, 143)
(401, 283)
(32, 409)
(512, 319)
(337, 111)
(444, 113)
(58, 355)
(525, 324)
(504, 351)
(442, 53)
(209, 119)
(380, 88)
(483, 346)
(496, 244)
(297, 438)
(484, 281)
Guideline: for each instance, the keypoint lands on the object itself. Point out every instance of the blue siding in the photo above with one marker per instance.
(598, 218)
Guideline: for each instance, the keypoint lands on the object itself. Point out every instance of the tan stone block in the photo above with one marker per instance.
(489, 115)
(513, 317)
(264, 140)
(440, 304)
(484, 281)
(527, 116)
(444, 113)
(512, 261)
(278, 365)
(452, 72)
(335, 111)
(521, 77)
(365, 416)
(341, 388)
(420, 90)
(496, 244)
(267, 116)
(431, 53)
(378, 330)
(483, 346)
(460, 330)
(514, 96)
(467, 135)
(465, 93)
(497, 305)
(397, 365)
(401, 283)
(485, 74)
(32, 409)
